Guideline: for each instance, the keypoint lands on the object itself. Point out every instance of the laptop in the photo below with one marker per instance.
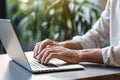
(25, 59)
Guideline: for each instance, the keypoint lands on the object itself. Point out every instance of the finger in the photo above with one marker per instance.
(44, 44)
(39, 56)
(49, 57)
(47, 53)
(36, 47)
(36, 50)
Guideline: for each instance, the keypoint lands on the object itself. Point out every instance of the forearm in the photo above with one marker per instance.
(71, 44)
(91, 55)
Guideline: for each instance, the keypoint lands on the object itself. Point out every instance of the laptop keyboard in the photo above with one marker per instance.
(36, 64)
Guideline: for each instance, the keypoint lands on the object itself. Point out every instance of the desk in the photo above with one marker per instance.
(9, 70)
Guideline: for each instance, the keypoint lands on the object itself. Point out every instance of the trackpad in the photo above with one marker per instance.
(57, 62)
(63, 65)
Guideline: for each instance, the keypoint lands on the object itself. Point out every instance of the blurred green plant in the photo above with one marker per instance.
(55, 19)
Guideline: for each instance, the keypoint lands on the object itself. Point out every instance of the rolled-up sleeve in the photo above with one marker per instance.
(111, 55)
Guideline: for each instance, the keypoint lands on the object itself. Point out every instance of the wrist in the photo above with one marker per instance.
(70, 44)
(91, 55)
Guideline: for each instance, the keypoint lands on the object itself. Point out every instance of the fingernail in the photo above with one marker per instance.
(41, 61)
(37, 57)
(45, 62)
(36, 54)
(39, 51)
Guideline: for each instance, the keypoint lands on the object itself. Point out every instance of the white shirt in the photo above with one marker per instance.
(105, 31)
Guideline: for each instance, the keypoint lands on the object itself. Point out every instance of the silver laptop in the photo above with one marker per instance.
(25, 59)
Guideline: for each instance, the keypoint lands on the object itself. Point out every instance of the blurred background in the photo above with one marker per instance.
(36, 20)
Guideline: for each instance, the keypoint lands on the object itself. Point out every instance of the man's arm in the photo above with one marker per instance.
(92, 55)
(70, 55)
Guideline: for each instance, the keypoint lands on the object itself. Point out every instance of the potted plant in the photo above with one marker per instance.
(55, 19)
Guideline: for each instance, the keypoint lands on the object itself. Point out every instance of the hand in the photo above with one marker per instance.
(65, 54)
(67, 44)
(41, 45)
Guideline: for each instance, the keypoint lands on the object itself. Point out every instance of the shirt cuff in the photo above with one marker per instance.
(108, 56)
(111, 55)
(105, 55)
